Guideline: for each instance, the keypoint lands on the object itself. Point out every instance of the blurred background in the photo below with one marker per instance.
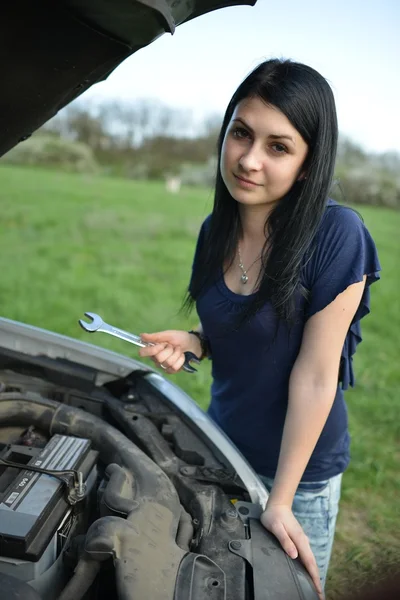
(101, 207)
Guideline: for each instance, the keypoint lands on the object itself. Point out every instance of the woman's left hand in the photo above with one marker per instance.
(280, 520)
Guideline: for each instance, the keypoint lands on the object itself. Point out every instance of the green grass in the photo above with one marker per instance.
(124, 249)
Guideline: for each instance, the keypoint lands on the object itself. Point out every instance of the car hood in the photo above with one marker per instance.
(51, 52)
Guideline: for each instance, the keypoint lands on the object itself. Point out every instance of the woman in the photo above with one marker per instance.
(281, 279)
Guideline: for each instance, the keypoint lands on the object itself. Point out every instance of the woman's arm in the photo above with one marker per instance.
(312, 389)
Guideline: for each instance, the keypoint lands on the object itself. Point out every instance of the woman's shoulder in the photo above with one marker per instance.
(207, 222)
(340, 219)
(342, 245)
(205, 226)
(341, 231)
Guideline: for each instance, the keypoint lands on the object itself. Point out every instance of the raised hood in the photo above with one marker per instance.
(51, 51)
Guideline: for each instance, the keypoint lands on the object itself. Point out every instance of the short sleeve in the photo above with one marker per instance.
(344, 252)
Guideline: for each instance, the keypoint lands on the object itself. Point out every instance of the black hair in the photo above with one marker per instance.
(307, 101)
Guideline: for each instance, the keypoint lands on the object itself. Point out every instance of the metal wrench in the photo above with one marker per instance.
(97, 324)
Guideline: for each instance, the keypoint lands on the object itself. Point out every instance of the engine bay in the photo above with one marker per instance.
(110, 490)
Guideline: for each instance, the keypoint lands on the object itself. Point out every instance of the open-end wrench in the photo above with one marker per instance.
(97, 324)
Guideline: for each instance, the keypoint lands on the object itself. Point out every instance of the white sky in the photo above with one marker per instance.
(355, 44)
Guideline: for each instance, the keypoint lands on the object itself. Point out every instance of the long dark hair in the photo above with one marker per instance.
(307, 101)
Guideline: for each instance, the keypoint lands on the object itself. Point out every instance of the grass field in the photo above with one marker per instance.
(124, 249)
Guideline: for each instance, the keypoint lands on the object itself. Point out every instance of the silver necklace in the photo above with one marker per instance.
(244, 277)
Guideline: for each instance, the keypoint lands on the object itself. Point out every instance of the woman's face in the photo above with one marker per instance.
(262, 154)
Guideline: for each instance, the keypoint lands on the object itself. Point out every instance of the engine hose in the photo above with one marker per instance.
(85, 573)
(27, 409)
(113, 446)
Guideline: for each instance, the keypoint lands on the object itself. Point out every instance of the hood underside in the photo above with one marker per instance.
(51, 52)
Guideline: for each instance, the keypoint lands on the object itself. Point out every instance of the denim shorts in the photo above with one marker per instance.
(315, 506)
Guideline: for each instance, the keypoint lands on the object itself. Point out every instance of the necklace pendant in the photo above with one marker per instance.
(244, 278)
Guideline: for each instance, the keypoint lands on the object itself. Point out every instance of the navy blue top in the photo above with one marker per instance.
(251, 365)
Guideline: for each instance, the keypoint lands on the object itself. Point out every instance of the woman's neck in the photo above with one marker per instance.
(253, 220)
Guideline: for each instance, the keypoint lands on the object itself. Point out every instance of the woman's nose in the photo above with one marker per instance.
(251, 160)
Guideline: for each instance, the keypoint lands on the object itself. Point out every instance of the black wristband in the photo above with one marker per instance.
(205, 350)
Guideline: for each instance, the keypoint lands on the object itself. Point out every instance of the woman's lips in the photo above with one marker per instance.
(247, 183)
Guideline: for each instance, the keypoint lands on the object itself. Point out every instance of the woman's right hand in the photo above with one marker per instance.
(169, 348)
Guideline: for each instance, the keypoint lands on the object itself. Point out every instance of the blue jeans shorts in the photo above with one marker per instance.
(315, 506)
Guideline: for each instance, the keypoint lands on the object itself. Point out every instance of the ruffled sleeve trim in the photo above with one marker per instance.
(354, 336)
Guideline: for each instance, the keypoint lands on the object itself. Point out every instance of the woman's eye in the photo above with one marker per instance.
(240, 133)
(279, 148)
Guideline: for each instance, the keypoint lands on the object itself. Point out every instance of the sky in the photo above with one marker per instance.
(354, 44)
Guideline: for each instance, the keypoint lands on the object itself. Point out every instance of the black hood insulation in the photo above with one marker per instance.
(51, 52)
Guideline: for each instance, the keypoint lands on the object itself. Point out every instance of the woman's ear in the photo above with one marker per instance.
(302, 176)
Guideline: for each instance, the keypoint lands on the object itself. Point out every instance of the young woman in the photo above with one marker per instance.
(281, 279)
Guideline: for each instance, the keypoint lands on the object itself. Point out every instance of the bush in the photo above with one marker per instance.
(51, 151)
(199, 174)
(365, 185)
